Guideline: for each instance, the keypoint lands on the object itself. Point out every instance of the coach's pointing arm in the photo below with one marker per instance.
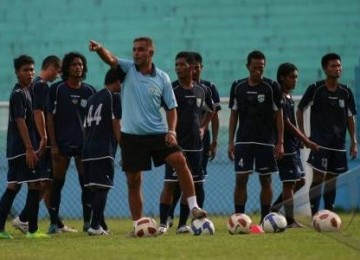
(103, 53)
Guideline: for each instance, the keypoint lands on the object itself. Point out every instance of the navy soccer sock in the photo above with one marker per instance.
(239, 208)
(55, 200)
(164, 212)
(265, 209)
(315, 196)
(99, 197)
(200, 193)
(184, 214)
(329, 199)
(32, 205)
(6, 202)
(176, 197)
(86, 199)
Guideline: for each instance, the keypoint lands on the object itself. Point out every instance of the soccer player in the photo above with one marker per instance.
(193, 99)
(21, 152)
(50, 70)
(209, 148)
(333, 111)
(255, 104)
(102, 134)
(144, 134)
(65, 114)
(291, 171)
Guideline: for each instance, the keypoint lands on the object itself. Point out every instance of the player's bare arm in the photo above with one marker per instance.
(51, 134)
(171, 118)
(103, 53)
(279, 147)
(232, 127)
(352, 132)
(39, 119)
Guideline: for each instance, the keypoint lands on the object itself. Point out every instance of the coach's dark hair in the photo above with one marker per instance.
(22, 60)
(66, 63)
(255, 55)
(284, 70)
(51, 60)
(328, 57)
(113, 75)
(189, 56)
(197, 57)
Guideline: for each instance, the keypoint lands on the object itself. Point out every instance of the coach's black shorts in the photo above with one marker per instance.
(19, 172)
(137, 151)
(99, 173)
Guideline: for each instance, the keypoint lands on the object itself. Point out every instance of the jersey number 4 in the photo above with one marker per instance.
(96, 116)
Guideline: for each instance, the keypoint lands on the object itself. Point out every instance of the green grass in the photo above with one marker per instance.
(293, 243)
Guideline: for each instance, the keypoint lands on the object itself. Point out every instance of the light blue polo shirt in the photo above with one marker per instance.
(142, 96)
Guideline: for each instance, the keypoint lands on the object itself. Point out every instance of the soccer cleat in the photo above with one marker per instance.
(66, 229)
(198, 213)
(53, 229)
(5, 235)
(22, 226)
(86, 226)
(162, 230)
(97, 232)
(170, 222)
(131, 234)
(295, 225)
(37, 234)
(183, 230)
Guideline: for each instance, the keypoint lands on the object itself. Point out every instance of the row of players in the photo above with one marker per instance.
(86, 126)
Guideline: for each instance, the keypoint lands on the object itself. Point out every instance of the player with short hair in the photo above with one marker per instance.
(144, 134)
(21, 151)
(102, 134)
(291, 171)
(66, 105)
(255, 104)
(333, 111)
(194, 112)
(209, 148)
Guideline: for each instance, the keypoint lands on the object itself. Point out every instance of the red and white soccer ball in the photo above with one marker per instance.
(202, 226)
(239, 223)
(274, 223)
(145, 227)
(326, 221)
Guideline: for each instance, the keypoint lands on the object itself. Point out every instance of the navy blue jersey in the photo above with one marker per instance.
(256, 106)
(329, 113)
(20, 106)
(40, 90)
(214, 93)
(291, 141)
(99, 142)
(191, 104)
(68, 107)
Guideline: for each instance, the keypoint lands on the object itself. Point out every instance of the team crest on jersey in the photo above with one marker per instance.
(261, 98)
(83, 102)
(198, 102)
(75, 101)
(341, 103)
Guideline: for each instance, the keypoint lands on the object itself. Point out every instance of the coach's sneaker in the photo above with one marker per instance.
(37, 234)
(53, 229)
(183, 230)
(170, 222)
(97, 232)
(198, 213)
(162, 230)
(66, 229)
(5, 235)
(22, 226)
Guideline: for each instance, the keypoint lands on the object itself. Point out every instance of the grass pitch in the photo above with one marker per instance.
(302, 243)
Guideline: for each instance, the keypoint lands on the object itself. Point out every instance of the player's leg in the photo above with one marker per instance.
(135, 197)
(6, 202)
(176, 198)
(265, 194)
(240, 192)
(32, 205)
(288, 195)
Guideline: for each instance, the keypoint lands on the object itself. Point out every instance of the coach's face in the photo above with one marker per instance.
(142, 53)
(26, 74)
(256, 69)
(333, 69)
(76, 69)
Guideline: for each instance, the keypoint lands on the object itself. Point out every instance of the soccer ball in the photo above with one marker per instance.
(239, 224)
(274, 223)
(145, 227)
(202, 226)
(326, 221)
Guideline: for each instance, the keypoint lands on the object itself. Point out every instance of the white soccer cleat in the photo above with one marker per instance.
(162, 230)
(97, 232)
(66, 229)
(183, 230)
(22, 226)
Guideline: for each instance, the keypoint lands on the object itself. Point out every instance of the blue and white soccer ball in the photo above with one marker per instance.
(274, 223)
(202, 226)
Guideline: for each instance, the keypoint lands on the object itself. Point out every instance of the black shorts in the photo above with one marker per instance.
(99, 173)
(19, 172)
(137, 151)
(290, 167)
(45, 166)
(248, 153)
(194, 160)
(328, 161)
(70, 151)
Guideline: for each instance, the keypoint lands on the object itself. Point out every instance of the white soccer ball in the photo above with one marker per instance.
(145, 227)
(239, 223)
(274, 223)
(326, 221)
(202, 226)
